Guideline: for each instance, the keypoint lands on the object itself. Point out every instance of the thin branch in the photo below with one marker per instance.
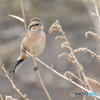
(96, 10)
(61, 75)
(43, 85)
(22, 7)
(12, 83)
(40, 78)
(91, 6)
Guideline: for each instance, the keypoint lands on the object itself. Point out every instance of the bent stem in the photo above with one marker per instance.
(79, 67)
(40, 79)
(12, 83)
(42, 83)
(23, 13)
(61, 75)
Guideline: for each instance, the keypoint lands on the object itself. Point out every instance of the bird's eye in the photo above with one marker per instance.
(36, 24)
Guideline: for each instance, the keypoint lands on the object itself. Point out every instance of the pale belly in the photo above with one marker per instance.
(38, 47)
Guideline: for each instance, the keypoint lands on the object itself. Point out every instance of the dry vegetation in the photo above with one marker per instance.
(81, 80)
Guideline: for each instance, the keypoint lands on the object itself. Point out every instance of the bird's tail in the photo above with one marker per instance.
(13, 69)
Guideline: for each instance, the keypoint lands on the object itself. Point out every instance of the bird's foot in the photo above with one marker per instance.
(35, 68)
(12, 72)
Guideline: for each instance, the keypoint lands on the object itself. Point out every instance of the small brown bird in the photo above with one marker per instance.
(34, 42)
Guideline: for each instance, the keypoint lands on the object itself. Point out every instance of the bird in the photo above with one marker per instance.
(34, 42)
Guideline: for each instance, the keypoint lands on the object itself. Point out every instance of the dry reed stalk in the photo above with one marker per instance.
(56, 27)
(40, 78)
(12, 83)
(60, 75)
(23, 13)
(43, 85)
(38, 73)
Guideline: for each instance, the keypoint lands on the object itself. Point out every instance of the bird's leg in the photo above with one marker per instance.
(35, 64)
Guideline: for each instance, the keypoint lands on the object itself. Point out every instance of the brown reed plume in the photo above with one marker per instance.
(7, 98)
(56, 27)
(91, 34)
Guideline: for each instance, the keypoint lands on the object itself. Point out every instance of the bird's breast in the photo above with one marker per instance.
(35, 42)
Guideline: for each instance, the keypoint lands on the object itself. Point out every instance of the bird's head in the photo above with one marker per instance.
(36, 24)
